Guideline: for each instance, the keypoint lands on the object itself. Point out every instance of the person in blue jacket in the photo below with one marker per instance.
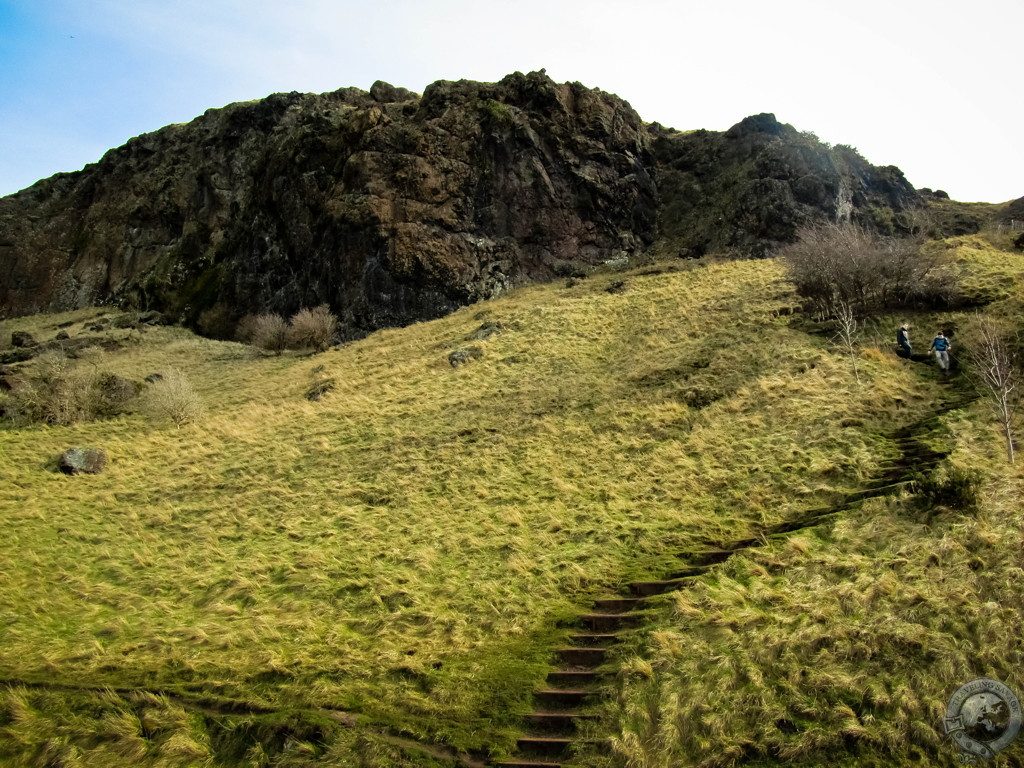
(903, 341)
(941, 347)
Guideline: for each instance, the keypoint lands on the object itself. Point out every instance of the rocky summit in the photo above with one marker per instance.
(393, 207)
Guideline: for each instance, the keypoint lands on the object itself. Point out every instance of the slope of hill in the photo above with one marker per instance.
(295, 583)
(393, 207)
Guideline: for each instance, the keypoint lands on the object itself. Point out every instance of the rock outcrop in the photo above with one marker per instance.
(750, 188)
(1013, 211)
(393, 207)
(78, 461)
(388, 206)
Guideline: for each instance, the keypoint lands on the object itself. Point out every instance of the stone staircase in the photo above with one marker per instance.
(564, 704)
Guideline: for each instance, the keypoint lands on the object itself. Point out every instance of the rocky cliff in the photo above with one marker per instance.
(394, 207)
(752, 187)
(389, 206)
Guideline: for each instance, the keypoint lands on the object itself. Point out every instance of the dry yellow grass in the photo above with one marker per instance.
(841, 645)
(404, 548)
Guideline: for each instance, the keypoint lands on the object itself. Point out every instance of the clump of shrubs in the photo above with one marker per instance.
(54, 391)
(844, 264)
(314, 329)
(173, 398)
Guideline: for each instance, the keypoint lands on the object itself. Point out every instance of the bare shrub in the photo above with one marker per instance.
(847, 332)
(844, 262)
(313, 328)
(53, 392)
(996, 369)
(245, 331)
(217, 322)
(270, 332)
(173, 398)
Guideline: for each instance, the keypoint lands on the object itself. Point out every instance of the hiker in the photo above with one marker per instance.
(903, 341)
(941, 347)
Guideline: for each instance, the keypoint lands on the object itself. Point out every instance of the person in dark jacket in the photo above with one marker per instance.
(903, 341)
(941, 347)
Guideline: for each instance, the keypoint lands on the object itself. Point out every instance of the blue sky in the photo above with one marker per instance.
(933, 87)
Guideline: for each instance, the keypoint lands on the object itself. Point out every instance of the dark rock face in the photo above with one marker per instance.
(752, 187)
(76, 461)
(1013, 211)
(387, 206)
(392, 207)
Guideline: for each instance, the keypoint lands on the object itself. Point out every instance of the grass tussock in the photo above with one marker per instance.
(171, 397)
(404, 547)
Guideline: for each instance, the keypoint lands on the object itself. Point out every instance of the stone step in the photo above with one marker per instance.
(561, 721)
(649, 588)
(594, 639)
(880, 490)
(561, 698)
(572, 679)
(693, 570)
(885, 484)
(544, 746)
(617, 604)
(605, 622)
(581, 657)
(707, 557)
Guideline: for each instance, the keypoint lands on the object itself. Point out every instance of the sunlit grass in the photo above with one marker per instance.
(404, 548)
(841, 645)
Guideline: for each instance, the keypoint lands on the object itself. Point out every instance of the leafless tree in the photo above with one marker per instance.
(993, 365)
(848, 331)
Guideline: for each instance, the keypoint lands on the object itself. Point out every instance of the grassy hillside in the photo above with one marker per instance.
(292, 582)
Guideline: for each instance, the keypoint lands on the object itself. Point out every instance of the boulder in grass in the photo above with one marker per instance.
(127, 320)
(485, 331)
(17, 355)
(22, 339)
(75, 461)
(151, 317)
(62, 336)
(464, 355)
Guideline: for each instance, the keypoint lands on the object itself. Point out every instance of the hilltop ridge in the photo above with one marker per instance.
(394, 207)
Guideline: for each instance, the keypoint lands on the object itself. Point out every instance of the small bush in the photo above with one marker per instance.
(245, 331)
(217, 322)
(270, 332)
(952, 487)
(313, 328)
(173, 398)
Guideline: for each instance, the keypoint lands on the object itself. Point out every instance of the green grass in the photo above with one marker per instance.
(403, 550)
(841, 644)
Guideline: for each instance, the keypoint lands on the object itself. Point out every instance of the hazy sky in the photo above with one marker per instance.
(934, 87)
